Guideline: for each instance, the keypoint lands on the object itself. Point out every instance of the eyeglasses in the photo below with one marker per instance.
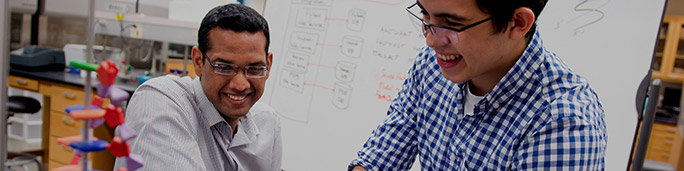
(232, 69)
(437, 30)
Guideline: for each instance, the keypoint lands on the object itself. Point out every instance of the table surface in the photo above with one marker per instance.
(71, 79)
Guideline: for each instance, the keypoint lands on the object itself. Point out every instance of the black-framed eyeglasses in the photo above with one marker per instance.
(437, 30)
(232, 69)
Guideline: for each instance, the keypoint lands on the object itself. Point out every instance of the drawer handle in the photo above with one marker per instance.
(69, 95)
(21, 81)
(673, 130)
(68, 121)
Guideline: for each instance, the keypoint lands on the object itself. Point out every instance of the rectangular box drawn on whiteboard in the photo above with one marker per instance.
(297, 61)
(311, 18)
(303, 42)
(292, 79)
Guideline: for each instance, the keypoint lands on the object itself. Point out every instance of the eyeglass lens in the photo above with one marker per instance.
(436, 30)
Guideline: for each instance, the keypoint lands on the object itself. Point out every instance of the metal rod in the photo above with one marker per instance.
(646, 125)
(88, 90)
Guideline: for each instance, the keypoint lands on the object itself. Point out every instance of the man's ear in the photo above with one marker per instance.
(521, 23)
(197, 60)
(269, 59)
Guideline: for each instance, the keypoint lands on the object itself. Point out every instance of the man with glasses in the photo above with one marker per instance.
(487, 95)
(212, 122)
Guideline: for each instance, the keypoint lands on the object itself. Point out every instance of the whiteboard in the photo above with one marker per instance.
(338, 63)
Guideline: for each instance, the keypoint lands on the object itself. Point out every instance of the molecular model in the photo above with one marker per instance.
(95, 115)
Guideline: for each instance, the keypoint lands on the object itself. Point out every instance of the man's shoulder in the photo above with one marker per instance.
(169, 81)
(165, 92)
(263, 113)
(169, 85)
(563, 88)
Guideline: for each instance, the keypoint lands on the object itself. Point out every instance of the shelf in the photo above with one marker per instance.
(154, 28)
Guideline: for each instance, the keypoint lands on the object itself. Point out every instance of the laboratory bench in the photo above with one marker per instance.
(61, 89)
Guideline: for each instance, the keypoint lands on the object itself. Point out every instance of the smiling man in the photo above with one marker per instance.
(213, 121)
(487, 95)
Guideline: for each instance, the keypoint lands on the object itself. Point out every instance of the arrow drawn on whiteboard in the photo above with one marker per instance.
(578, 9)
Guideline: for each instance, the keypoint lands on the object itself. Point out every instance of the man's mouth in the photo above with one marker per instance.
(448, 57)
(237, 97)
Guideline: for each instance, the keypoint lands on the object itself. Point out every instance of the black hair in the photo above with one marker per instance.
(501, 11)
(235, 17)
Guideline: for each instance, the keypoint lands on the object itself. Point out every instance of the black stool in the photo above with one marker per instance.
(20, 104)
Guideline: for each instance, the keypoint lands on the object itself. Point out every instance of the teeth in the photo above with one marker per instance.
(232, 97)
(448, 57)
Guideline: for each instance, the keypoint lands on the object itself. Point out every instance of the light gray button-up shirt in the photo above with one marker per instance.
(179, 129)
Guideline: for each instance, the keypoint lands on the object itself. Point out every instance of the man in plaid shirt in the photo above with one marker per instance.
(487, 95)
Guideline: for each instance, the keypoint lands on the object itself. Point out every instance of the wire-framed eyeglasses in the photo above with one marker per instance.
(232, 69)
(437, 30)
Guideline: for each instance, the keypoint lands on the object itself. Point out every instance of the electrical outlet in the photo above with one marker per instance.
(137, 32)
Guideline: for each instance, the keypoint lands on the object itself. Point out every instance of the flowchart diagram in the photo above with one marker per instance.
(326, 46)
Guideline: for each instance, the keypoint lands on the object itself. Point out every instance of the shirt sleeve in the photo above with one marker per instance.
(166, 138)
(393, 145)
(564, 143)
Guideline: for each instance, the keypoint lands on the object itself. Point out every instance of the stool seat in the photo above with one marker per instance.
(21, 104)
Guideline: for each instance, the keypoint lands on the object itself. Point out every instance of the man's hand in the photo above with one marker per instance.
(359, 168)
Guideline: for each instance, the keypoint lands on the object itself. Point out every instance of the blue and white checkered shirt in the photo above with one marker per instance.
(540, 116)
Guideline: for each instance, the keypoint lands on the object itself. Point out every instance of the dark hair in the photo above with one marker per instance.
(235, 17)
(502, 11)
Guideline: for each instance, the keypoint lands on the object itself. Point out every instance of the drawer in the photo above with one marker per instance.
(659, 155)
(62, 125)
(661, 136)
(58, 152)
(660, 147)
(664, 128)
(23, 83)
(661, 143)
(63, 97)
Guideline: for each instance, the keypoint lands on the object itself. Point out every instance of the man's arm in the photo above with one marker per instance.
(393, 145)
(358, 168)
(166, 139)
(565, 143)
(278, 147)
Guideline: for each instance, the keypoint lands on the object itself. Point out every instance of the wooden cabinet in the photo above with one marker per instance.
(56, 123)
(665, 144)
(23, 83)
(61, 125)
(668, 62)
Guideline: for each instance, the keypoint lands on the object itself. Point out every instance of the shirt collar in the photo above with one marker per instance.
(208, 111)
(516, 78)
(247, 130)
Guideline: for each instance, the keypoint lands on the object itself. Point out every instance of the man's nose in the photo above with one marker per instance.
(239, 82)
(436, 39)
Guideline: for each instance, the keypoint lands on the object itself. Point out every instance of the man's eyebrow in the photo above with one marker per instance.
(224, 61)
(257, 63)
(451, 16)
(447, 15)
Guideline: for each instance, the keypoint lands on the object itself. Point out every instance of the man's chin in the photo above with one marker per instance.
(454, 78)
